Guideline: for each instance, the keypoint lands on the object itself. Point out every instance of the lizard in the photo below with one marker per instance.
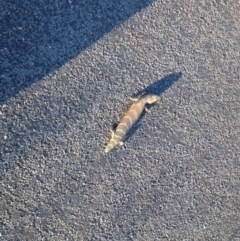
(129, 119)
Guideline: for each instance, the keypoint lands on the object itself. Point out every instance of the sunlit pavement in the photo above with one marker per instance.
(68, 71)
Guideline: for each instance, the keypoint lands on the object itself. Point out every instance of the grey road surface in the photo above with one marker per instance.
(68, 69)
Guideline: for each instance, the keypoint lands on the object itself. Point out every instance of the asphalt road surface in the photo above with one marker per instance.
(67, 71)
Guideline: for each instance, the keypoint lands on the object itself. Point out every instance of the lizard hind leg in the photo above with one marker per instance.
(121, 143)
(112, 134)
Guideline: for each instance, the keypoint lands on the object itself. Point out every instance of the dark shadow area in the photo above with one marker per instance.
(156, 88)
(38, 37)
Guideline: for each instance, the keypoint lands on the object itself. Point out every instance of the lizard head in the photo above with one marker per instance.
(150, 99)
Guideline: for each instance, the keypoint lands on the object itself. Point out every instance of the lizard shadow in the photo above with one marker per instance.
(156, 88)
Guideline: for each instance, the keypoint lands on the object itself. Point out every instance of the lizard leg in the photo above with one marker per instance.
(112, 133)
(146, 109)
(134, 99)
(121, 143)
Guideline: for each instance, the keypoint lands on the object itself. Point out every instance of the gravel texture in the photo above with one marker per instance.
(68, 69)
